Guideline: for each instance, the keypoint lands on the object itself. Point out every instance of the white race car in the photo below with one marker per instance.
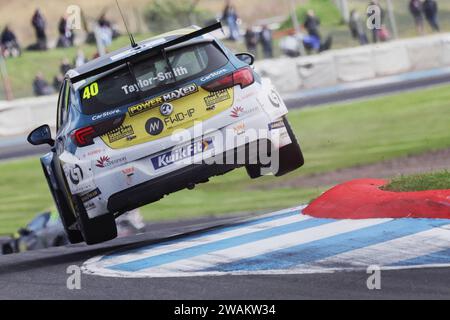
(152, 119)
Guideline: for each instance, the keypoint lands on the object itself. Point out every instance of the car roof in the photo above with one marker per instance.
(129, 51)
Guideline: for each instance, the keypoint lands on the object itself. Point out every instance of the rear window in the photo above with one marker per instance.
(150, 76)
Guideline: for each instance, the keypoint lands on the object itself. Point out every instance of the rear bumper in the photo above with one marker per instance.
(157, 188)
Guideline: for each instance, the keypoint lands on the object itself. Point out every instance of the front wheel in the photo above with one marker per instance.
(95, 230)
(65, 213)
(291, 156)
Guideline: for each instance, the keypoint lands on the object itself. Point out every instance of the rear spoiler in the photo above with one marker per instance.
(146, 51)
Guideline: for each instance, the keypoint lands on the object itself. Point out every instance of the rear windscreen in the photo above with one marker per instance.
(150, 76)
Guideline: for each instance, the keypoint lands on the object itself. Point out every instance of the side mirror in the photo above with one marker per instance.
(24, 232)
(41, 135)
(247, 58)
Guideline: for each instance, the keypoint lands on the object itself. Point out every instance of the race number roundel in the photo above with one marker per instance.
(154, 126)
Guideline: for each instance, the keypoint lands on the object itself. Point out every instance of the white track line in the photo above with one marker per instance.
(184, 244)
(262, 247)
(393, 251)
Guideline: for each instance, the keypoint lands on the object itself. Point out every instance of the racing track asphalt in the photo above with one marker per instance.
(42, 275)
(18, 147)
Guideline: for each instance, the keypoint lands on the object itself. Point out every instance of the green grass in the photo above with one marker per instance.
(332, 137)
(420, 182)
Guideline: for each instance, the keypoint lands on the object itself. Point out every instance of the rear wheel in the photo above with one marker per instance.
(68, 220)
(95, 230)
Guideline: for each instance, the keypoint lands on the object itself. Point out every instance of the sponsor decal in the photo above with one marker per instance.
(276, 125)
(129, 173)
(166, 109)
(166, 98)
(154, 126)
(237, 112)
(90, 206)
(239, 129)
(182, 153)
(120, 133)
(93, 152)
(274, 98)
(213, 75)
(144, 106)
(179, 117)
(217, 97)
(105, 162)
(248, 95)
(142, 84)
(76, 175)
(91, 195)
(106, 114)
(180, 93)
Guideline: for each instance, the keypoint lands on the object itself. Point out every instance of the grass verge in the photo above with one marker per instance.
(420, 182)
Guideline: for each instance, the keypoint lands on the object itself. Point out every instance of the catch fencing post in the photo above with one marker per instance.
(296, 25)
(390, 7)
(5, 79)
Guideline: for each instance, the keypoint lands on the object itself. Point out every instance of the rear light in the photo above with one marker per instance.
(85, 136)
(243, 77)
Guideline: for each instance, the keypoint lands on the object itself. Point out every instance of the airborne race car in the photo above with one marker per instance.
(155, 118)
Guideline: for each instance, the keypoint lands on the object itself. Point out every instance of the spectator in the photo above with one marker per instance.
(312, 24)
(104, 22)
(267, 42)
(8, 43)
(290, 45)
(80, 59)
(65, 66)
(415, 7)
(105, 31)
(40, 86)
(312, 43)
(66, 35)
(39, 25)
(378, 31)
(251, 41)
(430, 8)
(357, 28)
(57, 82)
(231, 18)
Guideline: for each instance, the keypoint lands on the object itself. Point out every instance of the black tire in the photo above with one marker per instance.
(67, 217)
(254, 170)
(291, 156)
(95, 230)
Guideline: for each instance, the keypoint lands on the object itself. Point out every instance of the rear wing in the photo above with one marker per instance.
(139, 51)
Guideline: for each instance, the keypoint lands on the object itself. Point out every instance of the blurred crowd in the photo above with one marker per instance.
(291, 44)
(257, 38)
(422, 10)
(10, 47)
